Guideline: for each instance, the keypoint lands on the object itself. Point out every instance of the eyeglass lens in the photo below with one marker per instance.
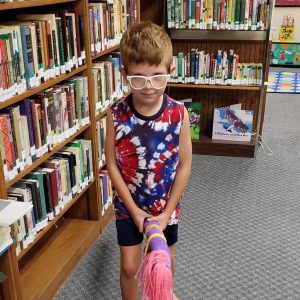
(156, 81)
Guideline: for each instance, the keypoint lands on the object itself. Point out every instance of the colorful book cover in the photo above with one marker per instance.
(232, 124)
(194, 110)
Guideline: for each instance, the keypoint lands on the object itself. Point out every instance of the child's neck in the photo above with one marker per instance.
(148, 109)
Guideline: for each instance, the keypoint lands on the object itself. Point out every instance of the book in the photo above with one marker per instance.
(232, 124)
(194, 111)
(11, 211)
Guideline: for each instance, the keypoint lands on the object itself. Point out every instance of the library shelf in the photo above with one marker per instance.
(107, 217)
(101, 115)
(53, 222)
(214, 35)
(215, 87)
(106, 51)
(49, 83)
(45, 156)
(30, 3)
(207, 146)
(45, 270)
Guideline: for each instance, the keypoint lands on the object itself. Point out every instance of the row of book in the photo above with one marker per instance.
(219, 68)
(108, 82)
(36, 125)
(38, 47)
(217, 14)
(105, 182)
(106, 190)
(101, 134)
(108, 20)
(51, 186)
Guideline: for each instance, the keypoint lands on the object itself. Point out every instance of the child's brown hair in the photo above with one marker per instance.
(148, 43)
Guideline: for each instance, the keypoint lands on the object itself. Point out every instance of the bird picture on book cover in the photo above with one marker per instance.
(194, 110)
(230, 124)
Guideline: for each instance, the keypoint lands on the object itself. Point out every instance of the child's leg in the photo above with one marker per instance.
(173, 260)
(130, 262)
(172, 253)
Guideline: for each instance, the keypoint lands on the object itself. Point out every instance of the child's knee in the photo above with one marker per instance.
(129, 270)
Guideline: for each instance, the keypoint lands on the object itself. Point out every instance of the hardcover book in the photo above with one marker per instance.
(194, 110)
(232, 124)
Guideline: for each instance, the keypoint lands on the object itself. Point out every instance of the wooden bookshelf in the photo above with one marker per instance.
(251, 46)
(40, 269)
(56, 257)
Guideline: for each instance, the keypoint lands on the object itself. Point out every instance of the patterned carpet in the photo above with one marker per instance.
(239, 234)
(284, 82)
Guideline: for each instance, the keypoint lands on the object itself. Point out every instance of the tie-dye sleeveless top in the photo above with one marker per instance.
(147, 154)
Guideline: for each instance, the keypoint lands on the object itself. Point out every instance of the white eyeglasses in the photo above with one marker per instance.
(138, 82)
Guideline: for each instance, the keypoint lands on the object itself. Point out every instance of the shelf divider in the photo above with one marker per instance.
(222, 35)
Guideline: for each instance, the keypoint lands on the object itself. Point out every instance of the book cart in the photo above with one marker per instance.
(252, 46)
(38, 271)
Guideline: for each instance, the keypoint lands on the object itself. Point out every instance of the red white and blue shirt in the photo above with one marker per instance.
(147, 154)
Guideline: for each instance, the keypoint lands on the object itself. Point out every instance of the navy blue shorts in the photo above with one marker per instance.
(129, 235)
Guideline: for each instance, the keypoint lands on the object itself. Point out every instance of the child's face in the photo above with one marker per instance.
(148, 94)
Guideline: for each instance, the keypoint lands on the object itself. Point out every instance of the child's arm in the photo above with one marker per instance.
(182, 173)
(138, 215)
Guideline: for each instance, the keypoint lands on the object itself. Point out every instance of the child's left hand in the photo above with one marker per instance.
(162, 219)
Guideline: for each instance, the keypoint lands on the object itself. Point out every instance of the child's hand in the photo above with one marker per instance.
(139, 218)
(162, 219)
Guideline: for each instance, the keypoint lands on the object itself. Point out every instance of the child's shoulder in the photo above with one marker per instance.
(172, 102)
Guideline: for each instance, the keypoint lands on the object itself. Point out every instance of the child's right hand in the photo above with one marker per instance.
(139, 217)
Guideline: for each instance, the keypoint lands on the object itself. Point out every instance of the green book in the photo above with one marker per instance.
(39, 177)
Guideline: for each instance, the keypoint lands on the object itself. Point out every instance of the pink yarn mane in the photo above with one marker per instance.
(155, 273)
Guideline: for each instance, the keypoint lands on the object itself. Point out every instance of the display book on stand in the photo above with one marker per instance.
(48, 123)
(218, 73)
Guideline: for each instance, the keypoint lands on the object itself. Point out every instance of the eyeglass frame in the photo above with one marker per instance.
(147, 78)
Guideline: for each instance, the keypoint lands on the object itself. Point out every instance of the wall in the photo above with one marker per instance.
(277, 18)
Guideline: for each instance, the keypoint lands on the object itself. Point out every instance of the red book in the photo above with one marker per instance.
(7, 141)
(35, 124)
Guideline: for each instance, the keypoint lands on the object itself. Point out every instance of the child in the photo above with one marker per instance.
(148, 148)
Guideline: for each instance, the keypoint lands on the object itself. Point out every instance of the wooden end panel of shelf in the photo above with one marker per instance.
(8, 265)
(42, 276)
(207, 146)
(107, 217)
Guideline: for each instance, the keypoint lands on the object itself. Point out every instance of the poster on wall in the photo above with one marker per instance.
(285, 54)
(287, 3)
